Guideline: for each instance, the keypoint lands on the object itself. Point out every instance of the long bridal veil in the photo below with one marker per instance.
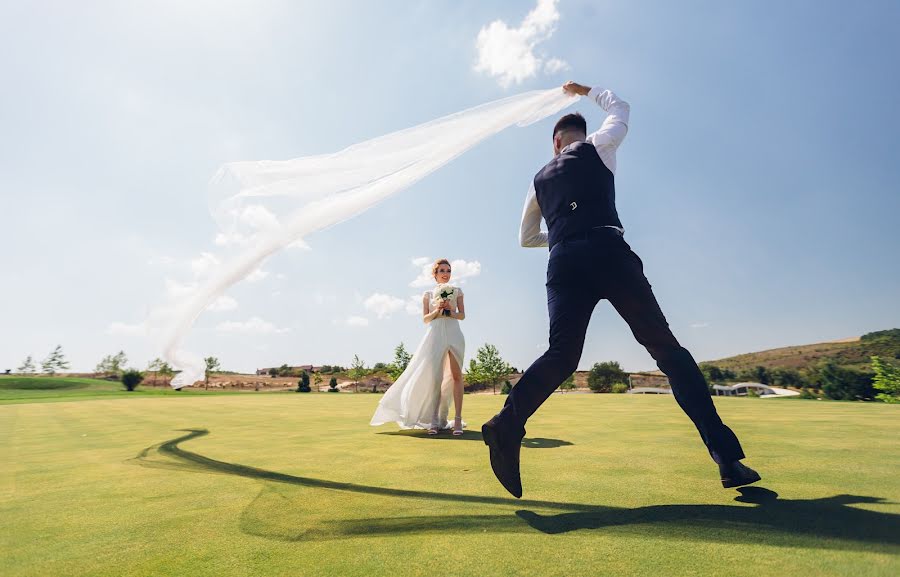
(262, 207)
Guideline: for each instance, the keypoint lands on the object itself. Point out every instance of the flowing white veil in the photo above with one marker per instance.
(264, 206)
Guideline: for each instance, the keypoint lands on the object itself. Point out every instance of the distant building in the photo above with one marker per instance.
(647, 380)
(743, 389)
(297, 369)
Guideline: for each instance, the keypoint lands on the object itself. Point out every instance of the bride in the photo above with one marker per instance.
(420, 397)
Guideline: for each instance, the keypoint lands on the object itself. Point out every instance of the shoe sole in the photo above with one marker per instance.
(729, 484)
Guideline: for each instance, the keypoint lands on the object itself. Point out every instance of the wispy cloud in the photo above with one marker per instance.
(257, 275)
(414, 305)
(253, 326)
(508, 54)
(355, 321)
(223, 303)
(699, 325)
(383, 305)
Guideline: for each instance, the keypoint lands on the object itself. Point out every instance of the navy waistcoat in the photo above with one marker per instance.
(576, 192)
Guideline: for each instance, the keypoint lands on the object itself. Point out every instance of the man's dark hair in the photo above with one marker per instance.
(574, 121)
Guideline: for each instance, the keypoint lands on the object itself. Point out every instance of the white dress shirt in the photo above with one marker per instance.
(606, 140)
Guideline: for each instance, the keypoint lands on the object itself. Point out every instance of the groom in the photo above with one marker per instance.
(589, 261)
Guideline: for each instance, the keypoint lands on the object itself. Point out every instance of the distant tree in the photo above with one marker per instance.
(303, 384)
(27, 367)
(333, 385)
(758, 374)
(317, 379)
(154, 366)
(712, 373)
(786, 377)
(844, 384)
(273, 372)
(603, 375)
(285, 371)
(887, 381)
(132, 378)
(55, 361)
(166, 371)
(488, 367)
(506, 388)
(112, 365)
(568, 384)
(357, 371)
(379, 367)
(325, 369)
(212, 365)
(401, 361)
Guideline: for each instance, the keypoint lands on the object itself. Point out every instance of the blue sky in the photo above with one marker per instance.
(757, 182)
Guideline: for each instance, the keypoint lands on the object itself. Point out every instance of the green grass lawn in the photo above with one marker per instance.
(52, 389)
(299, 484)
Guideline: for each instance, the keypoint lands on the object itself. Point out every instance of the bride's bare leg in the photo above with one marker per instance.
(456, 372)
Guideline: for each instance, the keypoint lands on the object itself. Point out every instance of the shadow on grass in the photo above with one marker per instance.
(797, 522)
(536, 443)
(293, 513)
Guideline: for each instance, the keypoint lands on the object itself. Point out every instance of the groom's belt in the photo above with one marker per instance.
(595, 231)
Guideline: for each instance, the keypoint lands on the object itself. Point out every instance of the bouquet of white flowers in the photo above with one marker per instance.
(444, 292)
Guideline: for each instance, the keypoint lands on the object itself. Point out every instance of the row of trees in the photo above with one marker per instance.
(52, 364)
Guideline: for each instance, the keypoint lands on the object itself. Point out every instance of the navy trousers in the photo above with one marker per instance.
(580, 273)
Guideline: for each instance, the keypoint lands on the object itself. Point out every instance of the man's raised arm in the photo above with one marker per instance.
(614, 128)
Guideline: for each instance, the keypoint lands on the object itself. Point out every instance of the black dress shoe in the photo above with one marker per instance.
(504, 449)
(736, 474)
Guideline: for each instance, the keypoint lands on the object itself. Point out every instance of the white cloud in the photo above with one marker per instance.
(421, 261)
(508, 53)
(257, 275)
(257, 216)
(414, 305)
(223, 303)
(555, 65)
(117, 328)
(253, 325)
(383, 305)
(251, 219)
(699, 325)
(204, 263)
(299, 244)
(462, 270)
(355, 321)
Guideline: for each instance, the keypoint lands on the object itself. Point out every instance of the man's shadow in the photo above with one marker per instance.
(828, 523)
(792, 519)
(528, 443)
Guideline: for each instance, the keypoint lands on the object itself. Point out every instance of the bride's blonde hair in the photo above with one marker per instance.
(437, 264)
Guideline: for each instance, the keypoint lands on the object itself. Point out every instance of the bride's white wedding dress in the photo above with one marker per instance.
(421, 395)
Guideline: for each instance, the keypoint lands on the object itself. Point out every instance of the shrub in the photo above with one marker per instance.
(132, 378)
(603, 375)
(332, 385)
(303, 383)
(619, 388)
(506, 388)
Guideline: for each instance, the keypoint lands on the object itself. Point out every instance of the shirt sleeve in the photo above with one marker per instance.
(530, 233)
(614, 128)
